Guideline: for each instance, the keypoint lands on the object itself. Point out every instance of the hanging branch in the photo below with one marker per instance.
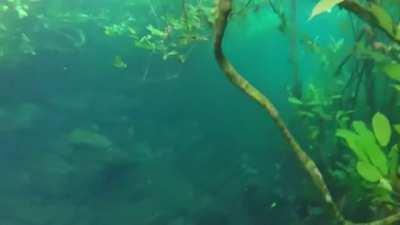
(368, 16)
(224, 9)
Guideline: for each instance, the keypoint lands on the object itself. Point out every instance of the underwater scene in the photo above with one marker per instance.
(199, 112)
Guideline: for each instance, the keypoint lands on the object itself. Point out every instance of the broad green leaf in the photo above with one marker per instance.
(367, 142)
(375, 155)
(323, 6)
(397, 128)
(366, 135)
(360, 127)
(368, 171)
(385, 184)
(351, 139)
(381, 128)
(392, 70)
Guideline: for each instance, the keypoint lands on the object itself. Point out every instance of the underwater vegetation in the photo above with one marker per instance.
(121, 112)
(372, 165)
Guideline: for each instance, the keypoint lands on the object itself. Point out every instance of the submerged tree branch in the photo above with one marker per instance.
(368, 16)
(224, 10)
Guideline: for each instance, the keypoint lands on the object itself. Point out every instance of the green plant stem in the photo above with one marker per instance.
(224, 9)
(296, 89)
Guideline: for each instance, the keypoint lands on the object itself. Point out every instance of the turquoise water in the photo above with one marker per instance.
(97, 131)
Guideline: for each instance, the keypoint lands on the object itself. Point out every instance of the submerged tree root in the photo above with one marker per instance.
(224, 10)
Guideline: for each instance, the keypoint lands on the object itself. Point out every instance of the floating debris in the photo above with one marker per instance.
(119, 63)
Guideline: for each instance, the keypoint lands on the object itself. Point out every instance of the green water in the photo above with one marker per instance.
(95, 129)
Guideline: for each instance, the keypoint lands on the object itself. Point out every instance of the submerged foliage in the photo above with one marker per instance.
(365, 84)
(376, 161)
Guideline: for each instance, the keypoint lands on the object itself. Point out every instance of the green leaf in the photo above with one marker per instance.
(323, 6)
(381, 128)
(385, 184)
(375, 155)
(351, 139)
(156, 32)
(392, 70)
(360, 127)
(397, 128)
(367, 142)
(368, 171)
(295, 101)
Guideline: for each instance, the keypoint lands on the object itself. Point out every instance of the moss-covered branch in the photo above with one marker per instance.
(224, 10)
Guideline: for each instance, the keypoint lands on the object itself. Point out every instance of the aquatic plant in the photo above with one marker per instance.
(318, 113)
(373, 15)
(24, 23)
(373, 165)
(172, 34)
